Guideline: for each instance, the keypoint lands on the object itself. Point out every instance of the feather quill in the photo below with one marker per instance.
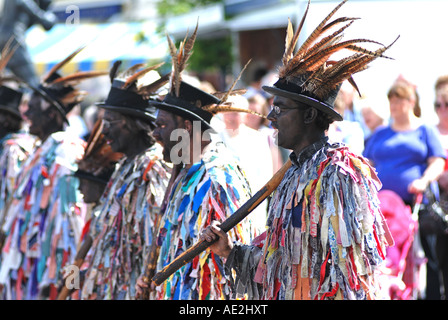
(224, 99)
(152, 88)
(310, 66)
(315, 34)
(227, 107)
(7, 53)
(114, 70)
(79, 76)
(61, 64)
(132, 79)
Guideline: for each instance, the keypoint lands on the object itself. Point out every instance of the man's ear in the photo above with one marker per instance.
(309, 115)
(188, 125)
(55, 116)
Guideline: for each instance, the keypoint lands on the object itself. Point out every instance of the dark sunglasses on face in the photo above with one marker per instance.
(109, 123)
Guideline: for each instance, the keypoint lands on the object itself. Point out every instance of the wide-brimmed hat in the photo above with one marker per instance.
(189, 104)
(295, 92)
(310, 74)
(132, 90)
(10, 100)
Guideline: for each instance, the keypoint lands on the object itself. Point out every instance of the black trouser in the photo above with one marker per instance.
(442, 256)
(429, 243)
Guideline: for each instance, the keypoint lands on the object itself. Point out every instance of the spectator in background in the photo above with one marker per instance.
(346, 131)
(375, 113)
(252, 149)
(409, 158)
(352, 111)
(76, 124)
(259, 104)
(257, 82)
(441, 109)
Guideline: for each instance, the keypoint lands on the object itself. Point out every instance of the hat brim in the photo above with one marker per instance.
(50, 100)
(15, 113)
(182, 112)
(144, 115)
(306, 100)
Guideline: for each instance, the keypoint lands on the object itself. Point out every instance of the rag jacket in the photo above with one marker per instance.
(122, 231)
(211, 189)
(44, 220)
(326, 236)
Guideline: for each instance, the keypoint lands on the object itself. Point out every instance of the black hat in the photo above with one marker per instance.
(310, 74)
(10, 100)
(127, 102)
(189, 104)
(128, 97)
(294, 90)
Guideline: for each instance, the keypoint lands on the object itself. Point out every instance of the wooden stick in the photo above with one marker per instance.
(227, 225)
(79, 259)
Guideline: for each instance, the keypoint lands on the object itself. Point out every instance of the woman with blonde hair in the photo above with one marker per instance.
(409, 158)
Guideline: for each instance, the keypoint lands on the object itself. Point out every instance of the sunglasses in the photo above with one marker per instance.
(277, 110)
(107, 123)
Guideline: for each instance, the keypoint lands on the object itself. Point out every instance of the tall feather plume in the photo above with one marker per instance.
(291, 39)
(59, 65)
(228, 107)
(152, 88)
(224, 99)
(64, 87)
(311, 61)
(179, 58)
(79, 76)
(114, 70)
(224, 106)
(7, 53)
(133, 78)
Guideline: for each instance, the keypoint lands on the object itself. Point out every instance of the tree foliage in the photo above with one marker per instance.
(175, 7)
(209, 54)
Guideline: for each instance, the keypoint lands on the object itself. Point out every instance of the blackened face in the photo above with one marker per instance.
(165, 124)
(8, 123)
(115, 131)
(38, 119)
(91, 190)
(287, 118)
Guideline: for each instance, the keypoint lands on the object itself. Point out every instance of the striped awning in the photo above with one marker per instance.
(132, 42)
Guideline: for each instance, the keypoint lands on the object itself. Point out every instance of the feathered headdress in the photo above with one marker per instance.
(60, 91)
(133, 89)
(98, 162)
(188, 101)
(10, 99)
(309, 76)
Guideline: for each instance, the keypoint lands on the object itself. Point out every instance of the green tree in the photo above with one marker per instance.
(210, 55)
(175, 7)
